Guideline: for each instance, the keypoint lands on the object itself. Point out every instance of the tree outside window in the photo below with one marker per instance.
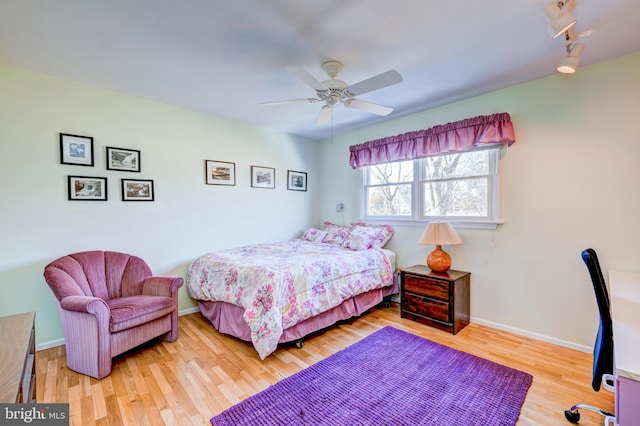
(459, 185)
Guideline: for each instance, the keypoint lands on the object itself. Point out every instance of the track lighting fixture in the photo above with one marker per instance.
(570, 63)
(559, 17)
(561, 21)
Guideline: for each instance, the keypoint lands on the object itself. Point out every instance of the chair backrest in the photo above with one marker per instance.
(603, 348)
(103, 274)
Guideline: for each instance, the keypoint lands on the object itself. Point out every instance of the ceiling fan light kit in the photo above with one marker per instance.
(562, 21)
(333, 91)
(332, 68)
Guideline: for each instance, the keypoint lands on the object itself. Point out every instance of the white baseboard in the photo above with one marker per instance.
(49, 344)
(60, 342)
(532, 335)
(189, 311)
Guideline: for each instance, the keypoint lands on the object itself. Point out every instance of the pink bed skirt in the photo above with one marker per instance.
(227, 318)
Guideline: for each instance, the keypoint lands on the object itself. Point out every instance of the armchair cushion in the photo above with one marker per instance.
(127, 312)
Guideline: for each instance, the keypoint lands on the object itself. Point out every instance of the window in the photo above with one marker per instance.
(459, 187)
(388, 189)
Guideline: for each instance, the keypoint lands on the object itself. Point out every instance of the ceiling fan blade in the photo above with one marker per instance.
(379, 81)
(325, 115)
(307, 78)
(291, 101)
(368, 107)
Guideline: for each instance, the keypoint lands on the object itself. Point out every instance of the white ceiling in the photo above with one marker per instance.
(225, 57)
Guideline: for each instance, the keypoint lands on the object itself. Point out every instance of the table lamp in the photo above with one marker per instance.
(439, 234)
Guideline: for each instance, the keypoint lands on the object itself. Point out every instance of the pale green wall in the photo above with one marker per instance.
(188, 217)
(572, 180)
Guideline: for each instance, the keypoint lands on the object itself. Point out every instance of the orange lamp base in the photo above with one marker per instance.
(438, 260)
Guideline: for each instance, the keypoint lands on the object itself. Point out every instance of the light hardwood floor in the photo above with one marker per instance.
(204, 372)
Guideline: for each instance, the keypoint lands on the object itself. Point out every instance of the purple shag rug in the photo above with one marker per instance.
(389, 378)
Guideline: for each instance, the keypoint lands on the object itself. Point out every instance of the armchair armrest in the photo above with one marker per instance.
(161, 286)
(85, 304)
(85, 322)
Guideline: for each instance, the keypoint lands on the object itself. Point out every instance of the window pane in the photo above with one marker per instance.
(458, 186)
(389, 200)
(465, 198)
(398, 172)
(474, 163)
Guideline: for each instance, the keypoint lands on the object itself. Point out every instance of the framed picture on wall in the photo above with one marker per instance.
(127, 160)
(296, 181)
(263, 177)
(76, 150)
(219, 172)
(87, 188)
(137, 190)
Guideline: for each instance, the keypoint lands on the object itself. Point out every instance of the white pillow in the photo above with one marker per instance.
(314, 235)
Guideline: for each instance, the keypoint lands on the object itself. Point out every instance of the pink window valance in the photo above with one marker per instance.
(464, 135)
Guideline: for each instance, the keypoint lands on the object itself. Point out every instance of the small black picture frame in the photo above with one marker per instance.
(220, 172)
(137, 190)
(296, 181)
(263, 177)
(76, 150)
(123, 159)
(87, 188)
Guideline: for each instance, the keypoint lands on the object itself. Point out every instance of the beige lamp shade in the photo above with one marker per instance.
(439, 234)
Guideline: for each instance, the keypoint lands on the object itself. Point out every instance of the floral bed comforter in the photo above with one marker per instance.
(281, 284)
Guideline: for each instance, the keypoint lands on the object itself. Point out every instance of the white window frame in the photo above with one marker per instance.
(492, 220)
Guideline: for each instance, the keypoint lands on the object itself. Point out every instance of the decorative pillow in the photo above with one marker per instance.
(327, 224)
(363, 237)
(336, 234)
(386, 232)
(313, 234)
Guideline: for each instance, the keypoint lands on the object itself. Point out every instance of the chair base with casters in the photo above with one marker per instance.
(573, 413)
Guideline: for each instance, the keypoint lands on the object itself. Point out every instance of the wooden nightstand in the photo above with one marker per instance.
(440, 300)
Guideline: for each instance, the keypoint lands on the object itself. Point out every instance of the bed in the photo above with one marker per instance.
(280, 292)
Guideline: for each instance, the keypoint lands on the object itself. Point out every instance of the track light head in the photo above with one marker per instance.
(569, 64)
(559, 17)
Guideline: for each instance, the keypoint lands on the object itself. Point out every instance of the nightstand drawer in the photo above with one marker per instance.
(427, 287)
(426, 307)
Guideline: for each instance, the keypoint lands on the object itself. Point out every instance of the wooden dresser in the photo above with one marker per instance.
(440, 300)
(17, 358)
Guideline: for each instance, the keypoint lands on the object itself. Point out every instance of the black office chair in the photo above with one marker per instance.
(603, 348)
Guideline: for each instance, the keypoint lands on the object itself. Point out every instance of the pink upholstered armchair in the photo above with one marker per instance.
(109, 303)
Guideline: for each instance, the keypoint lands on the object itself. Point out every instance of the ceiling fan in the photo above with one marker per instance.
(334, 91)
